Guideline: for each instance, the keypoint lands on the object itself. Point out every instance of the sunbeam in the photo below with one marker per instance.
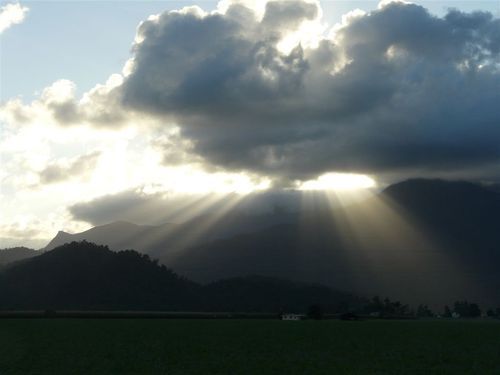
(383, 244)
(188, 234)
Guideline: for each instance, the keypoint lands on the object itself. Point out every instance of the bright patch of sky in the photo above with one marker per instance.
(84, 41)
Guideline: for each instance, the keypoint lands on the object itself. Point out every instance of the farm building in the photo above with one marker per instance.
(291, 317)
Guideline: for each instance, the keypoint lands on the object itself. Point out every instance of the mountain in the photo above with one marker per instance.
(462, 215)
(419, 240)
(433, 241)
(166, 241)
(118, 236)
(14, 254)
(85, 276)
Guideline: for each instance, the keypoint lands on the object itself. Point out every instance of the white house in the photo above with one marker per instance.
(291, 317)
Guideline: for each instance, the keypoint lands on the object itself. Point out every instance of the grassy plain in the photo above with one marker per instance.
(197, 346)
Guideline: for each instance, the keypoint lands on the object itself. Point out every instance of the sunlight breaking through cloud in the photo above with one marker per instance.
(338, 181)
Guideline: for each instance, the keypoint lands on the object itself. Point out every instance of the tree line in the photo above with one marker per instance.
(460, 309)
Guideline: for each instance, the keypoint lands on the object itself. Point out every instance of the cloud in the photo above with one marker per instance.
(393, 90)
(263, 87)
(176, 150)
(11, 14)
(30, 230)
(137, 206)
(62, 171)
(15, 230)
(100, 107)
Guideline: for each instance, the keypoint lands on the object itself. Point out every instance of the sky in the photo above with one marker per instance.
(109, 107)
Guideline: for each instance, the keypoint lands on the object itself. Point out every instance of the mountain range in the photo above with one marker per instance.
(420, 240)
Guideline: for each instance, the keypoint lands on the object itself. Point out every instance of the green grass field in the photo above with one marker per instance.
(171, 346)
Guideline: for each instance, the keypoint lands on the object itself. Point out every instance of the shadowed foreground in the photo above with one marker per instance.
(136, 346)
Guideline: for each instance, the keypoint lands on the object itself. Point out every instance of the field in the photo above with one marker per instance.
(197, 346)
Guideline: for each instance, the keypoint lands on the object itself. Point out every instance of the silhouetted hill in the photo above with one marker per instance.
(265, 294)
(91, 277)
(14, 254)
(85, 276)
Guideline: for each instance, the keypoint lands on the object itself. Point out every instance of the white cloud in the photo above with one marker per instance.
(37, 230)
(11, 14)
(58, 105)
(382, 4)
(79, 167)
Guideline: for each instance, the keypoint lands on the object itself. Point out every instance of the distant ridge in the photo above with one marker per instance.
(118, 235)
(85, 276)
(14, 254)
(464, 216)
(162, 241)
(439, 191)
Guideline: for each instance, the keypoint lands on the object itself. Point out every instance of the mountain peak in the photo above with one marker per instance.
(429, 189)
(434, 183)
(118, 235)
(61, 238)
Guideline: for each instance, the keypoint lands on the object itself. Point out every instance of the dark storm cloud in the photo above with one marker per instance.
(394, 91)
(79, 167)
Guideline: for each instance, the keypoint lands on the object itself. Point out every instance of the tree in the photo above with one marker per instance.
(466, 309)
(315, 312)
(447, 312)
(387, 307)
(474, 310)
(423, 311)
(375, 305)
